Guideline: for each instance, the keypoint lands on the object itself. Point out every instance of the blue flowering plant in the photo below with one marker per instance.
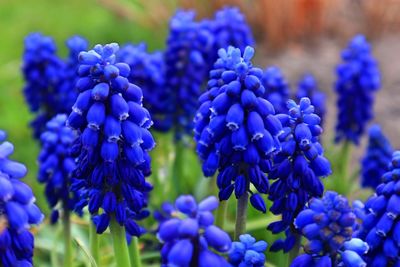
(376, 159)
(236, 128)
(276, 88)
(18, 211)
(297, 169)
(247, 252)
(189, 235)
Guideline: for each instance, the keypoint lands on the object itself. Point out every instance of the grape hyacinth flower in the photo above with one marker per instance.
(328, 223)
(377, 158)
(297, 169)
(358, 77)
(276, 88)
(381, 226)
(247, 252)
(147, 72)
(114, 141)
(18, 211)
(236, 128)
(189, 47)
(308, 87)
(56, 165)
(41, 69)
(231, 29)
(350, 255)
(188, 235)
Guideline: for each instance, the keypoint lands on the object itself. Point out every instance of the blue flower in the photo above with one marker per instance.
(18, 211)
(357, 76)
(328, 225)
(247, 252)
(188, 234)
(380, 228)
(231, 29)
(236, 128)
(376, 159)
(56, 165)
(188, 52)
(49, 80)
(113, 143)
(308, 87)
(276, 88)
(148, 72)
(297, 168)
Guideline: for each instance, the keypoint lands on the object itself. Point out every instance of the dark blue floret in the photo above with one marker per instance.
(147, 71)
(297, 168)
(188, 52)
(56, 165)
(247, 252)
(308, 87)
(49, 80)
(113, 143)
(328, 224)
(377, 157)
(236, 128)
(18, 211)
(276, 88)
(381, 225)
(188, 235)
(358, 77)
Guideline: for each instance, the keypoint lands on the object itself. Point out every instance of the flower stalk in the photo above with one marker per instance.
(241, 215)
(120, 245)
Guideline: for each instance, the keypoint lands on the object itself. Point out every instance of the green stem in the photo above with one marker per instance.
(134, 252)
(67, 238)
(241, 215)
(120, 245)
(342, 181)
(177, 172)
(94, 243)
(221, 214)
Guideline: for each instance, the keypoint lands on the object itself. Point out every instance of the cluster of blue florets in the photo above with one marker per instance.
(308, 87)
(56, 165)
(189, 235)
(377, 157)
(381, 227)
(328, 224)
(358, 79)
(17, 211)
(112, 149)
(50, 80)
(276, 88)
(236, 128)
(297, 168)
(247, 252)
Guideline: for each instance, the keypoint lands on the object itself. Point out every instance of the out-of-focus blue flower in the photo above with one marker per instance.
(18, 211)
(297, 168)
(276, 88)
(236, 128)
(188, 234)
(376, 159)
(56, 165)
(328, 225)
(231, 29)
(381, 227)
(247, 252)
(49, 80)
(148, 72)
(308, 87)
(358, 79)
(188, 52)
(114, 141)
